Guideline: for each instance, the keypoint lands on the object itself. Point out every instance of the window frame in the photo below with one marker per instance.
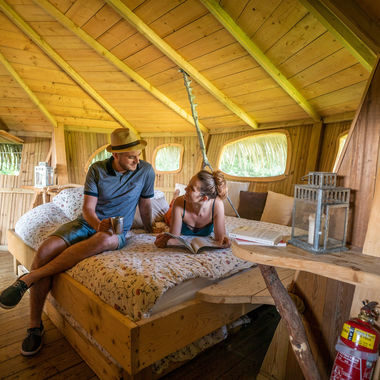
(258, 179)
(336, 151)
(164, 146)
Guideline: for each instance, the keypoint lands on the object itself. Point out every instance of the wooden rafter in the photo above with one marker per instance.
(27, 89)
(336, 27)
(166, 49)
(48, 7)
(229, 24)
(39, 41)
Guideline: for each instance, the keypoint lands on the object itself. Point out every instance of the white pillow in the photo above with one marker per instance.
(159, 208)
(70, 201)
(37, 224)
(234, 189)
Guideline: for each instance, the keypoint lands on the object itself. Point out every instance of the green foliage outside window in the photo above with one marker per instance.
(101, 156)
(263, 155)
(10, 158)
(168, 158)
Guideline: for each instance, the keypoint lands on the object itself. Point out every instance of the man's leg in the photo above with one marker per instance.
(99, 242)
(48, 250)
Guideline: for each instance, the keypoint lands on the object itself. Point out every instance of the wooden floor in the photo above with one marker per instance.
(238, 357)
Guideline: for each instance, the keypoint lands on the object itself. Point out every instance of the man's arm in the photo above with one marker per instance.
(89, 214)
(145, 207)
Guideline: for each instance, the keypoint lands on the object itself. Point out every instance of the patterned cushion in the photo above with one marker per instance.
(70, 201)
(38, 223)
(278, 209)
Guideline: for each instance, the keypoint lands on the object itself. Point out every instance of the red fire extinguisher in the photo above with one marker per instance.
(357, 346)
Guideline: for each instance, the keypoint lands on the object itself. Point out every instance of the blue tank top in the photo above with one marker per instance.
(197, 231)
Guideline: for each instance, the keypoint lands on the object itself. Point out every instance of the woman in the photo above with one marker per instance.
(200, 211)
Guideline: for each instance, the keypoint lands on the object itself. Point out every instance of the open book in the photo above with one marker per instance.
(258, 235)
(194, 245)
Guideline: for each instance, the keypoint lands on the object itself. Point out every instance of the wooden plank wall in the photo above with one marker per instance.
(79, 147)
(191, 162)
(15, 201)
(359, 164)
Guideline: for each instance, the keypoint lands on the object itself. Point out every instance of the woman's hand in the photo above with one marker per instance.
(226, 243)
(162, 240)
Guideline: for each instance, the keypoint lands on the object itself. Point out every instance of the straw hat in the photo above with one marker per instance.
(124, 140)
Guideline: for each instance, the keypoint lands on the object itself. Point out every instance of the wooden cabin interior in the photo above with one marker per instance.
(72, 71)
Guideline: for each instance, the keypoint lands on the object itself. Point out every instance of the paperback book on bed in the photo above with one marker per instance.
(259, 235)
(194, 245)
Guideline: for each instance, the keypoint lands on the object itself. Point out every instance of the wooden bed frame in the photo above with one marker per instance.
(136, 345)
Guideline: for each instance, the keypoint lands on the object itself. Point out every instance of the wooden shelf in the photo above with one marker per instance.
(346, 266)
(248, 287)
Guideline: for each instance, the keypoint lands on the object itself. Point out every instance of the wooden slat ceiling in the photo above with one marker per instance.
(93, 88)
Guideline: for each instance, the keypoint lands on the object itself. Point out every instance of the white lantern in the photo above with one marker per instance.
(43, 175)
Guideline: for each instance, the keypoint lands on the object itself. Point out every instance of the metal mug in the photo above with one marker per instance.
(117, 224)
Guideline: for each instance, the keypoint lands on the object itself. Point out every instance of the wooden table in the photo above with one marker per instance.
(347, 266)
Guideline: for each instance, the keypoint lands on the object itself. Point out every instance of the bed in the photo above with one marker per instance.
(116, 308)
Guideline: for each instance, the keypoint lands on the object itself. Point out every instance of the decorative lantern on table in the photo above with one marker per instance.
(320, 214)
(43, 175)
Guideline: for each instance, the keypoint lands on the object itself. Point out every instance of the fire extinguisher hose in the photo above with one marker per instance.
(341, 347)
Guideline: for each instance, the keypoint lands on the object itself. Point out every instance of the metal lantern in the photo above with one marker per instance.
(43, 175)
(320, 214)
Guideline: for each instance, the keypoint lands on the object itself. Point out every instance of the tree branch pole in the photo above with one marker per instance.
(292, 319)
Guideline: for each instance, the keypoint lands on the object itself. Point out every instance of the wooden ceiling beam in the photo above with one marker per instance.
(166, 49)
(39, 41)
(336, 27)
(9, 138)
(256, 53)
(85, 37)
(27, 89)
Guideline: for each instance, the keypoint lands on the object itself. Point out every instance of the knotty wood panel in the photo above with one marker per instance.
(360, 160)
(15, 201)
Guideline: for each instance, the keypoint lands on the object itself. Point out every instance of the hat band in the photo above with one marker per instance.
(119, 147)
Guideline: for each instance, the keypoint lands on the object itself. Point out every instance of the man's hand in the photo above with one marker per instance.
(161, 240)
(105, 226)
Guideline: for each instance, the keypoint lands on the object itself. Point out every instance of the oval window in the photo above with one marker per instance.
(168, 158)
(261, 155)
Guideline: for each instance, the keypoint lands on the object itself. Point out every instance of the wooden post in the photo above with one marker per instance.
(292, 319)
(59, 157)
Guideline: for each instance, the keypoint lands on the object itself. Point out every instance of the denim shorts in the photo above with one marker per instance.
(78, 230)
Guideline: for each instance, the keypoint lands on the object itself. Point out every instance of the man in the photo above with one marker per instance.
(113, 188)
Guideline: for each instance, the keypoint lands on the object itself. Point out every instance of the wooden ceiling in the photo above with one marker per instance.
(95, 64)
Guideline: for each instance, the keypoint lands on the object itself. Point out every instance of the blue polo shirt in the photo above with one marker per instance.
(118, 193)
